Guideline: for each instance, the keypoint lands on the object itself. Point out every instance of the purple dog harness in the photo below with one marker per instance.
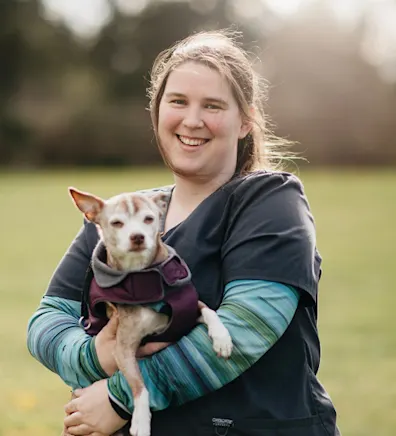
(168, 282)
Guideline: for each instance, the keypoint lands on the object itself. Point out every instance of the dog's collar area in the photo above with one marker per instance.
(168, 282)
(148, 286)
(173, 270)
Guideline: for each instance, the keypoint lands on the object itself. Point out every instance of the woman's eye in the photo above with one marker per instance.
(212, 106)
(117, 223)
(179, 102)
(148, 219)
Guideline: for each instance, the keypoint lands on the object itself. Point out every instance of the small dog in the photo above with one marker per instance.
(129, 230)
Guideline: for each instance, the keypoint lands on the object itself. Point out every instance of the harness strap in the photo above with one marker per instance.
(175, 271)
(89, 275)
(169, 282)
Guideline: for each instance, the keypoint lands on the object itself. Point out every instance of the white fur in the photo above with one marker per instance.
(141, 418)
(222, 342)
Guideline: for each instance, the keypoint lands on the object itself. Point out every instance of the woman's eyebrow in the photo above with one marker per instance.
(174, 94)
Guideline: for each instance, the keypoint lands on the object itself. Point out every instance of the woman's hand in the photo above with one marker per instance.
(151, 348)
(105, 343)
(90, 412)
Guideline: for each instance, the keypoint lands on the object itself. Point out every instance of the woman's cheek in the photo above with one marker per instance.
(170, 118)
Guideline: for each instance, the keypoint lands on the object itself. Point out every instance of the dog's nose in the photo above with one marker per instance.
(137, 239)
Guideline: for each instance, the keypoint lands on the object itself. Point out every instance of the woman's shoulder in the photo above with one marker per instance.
(264, 182)
(167, 189)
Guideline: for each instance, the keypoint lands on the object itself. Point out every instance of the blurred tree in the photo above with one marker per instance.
(33, 52)
(326, 97)
(64, 100)
(127, 47)
(12, 50)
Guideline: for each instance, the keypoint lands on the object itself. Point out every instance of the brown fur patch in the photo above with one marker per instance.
(139, 202)
(162, 252)
(124, 205)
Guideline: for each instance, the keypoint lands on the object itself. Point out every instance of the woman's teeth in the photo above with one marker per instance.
(192, 141)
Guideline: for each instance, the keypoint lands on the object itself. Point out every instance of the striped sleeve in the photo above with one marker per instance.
(256, 313)
(57, 341)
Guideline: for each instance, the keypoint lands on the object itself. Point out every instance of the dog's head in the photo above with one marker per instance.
(128, 224)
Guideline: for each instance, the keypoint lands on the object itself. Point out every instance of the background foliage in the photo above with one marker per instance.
(69, 98)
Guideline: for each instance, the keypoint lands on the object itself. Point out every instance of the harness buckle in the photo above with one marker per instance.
(82, 323)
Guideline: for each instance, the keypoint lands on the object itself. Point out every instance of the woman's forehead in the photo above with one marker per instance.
(191, 77)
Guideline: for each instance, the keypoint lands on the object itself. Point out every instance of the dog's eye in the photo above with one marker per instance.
(148, 219)
(117, 223)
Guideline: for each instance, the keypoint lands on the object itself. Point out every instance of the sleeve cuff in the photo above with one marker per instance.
(118, 407)
(119, 411)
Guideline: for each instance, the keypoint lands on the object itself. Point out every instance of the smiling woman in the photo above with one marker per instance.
(217, 98)
(199, 123)
(248, 238)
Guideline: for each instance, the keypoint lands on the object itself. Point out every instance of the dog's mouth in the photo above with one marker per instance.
(137, 248)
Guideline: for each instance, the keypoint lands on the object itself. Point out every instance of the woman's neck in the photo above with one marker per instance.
(186, 197)
(191, 193)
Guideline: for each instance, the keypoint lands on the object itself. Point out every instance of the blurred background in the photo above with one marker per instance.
(73, 79)
(74, 74)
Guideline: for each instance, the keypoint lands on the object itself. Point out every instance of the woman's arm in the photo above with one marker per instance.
(256, 313)
(57, 341)
(54, 336)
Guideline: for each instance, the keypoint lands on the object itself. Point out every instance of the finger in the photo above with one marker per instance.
(77, 393)
(112, 325)
(65, 433)
(151, 348)
(80, 430)
(72, 420)
(71, 407)
(201, 305)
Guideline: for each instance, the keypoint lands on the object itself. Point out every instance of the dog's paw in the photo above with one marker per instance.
(141, 418)
(140, 425)
(222, 342)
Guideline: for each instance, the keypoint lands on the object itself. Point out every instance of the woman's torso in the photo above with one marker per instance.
(280, 394)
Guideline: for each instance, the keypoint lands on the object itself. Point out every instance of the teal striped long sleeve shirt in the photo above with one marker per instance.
(256, 313)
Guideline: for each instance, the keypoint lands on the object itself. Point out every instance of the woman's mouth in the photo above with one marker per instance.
(192, 142)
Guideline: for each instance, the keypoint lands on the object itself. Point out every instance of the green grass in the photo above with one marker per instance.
(355, 214)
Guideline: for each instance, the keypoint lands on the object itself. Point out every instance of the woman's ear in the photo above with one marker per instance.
(246, 128)
(247, 124)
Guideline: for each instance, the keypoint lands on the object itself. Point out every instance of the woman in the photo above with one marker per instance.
(248, 237)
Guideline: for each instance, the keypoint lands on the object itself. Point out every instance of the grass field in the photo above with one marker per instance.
(355, 213)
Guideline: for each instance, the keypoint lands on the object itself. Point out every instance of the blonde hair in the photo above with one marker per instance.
(220, 51)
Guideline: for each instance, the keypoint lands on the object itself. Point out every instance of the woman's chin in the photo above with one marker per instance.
(187, 171)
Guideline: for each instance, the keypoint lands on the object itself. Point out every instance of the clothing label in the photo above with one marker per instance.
(222, 425)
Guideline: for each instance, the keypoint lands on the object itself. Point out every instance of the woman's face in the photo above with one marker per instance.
(199, 123)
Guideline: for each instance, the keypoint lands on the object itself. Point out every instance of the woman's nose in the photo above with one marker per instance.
(193, 119)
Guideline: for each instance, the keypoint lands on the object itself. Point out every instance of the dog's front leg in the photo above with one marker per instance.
(222, 342)
(129, 336)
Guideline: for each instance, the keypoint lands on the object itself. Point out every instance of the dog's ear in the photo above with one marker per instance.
(161, 200)
(90, 205)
